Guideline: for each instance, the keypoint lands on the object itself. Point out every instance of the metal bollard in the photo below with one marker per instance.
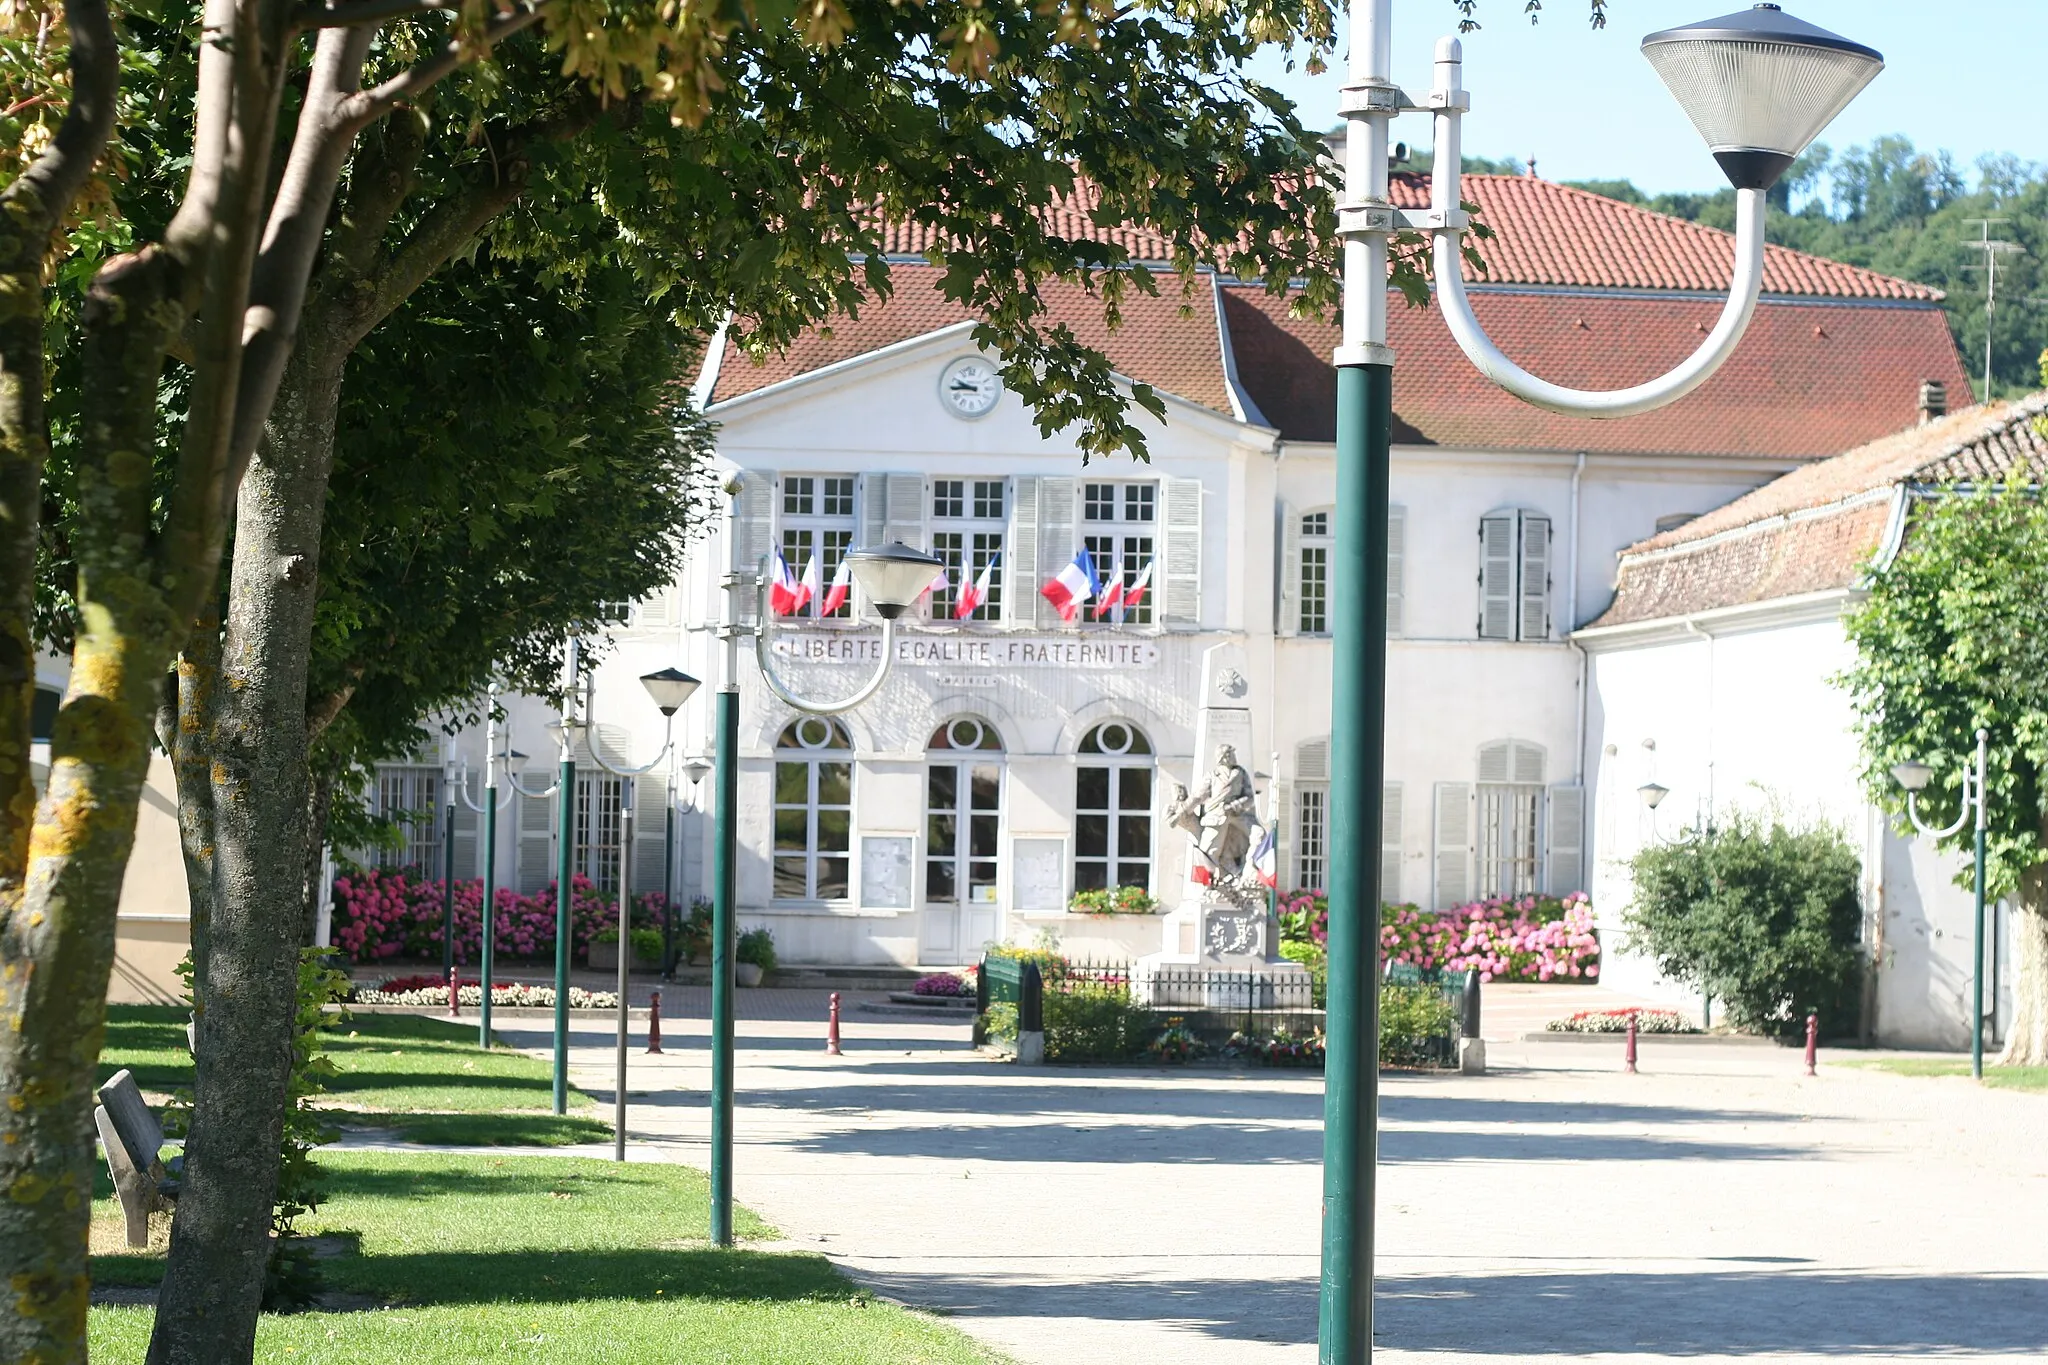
(654, 1024)
(1812, 1042)
(454, 993)
(832, 1029)
(1629, 1058)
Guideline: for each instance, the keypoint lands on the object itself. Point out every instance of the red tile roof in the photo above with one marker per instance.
(1069, 216)
(1807, 379)
(1155, 345)
(1551, 234)
(1815, 528)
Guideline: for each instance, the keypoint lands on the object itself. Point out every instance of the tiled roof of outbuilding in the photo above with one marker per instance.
(1815, 528)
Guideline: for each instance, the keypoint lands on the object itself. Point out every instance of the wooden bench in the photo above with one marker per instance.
(134, 1139)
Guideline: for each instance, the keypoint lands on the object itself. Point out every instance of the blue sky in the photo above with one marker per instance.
(1965, 75)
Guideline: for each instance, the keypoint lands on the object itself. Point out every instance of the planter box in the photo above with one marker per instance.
(746, 973)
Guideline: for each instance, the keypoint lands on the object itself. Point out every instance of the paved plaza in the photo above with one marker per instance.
(1717, 1207)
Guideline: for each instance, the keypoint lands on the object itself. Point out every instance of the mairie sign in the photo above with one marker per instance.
(971, 651)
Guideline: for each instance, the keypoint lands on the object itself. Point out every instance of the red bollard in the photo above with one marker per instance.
(832, 1029)
(1629, 1058)
(454, 993)
(1812, 1042)
(654, 1024)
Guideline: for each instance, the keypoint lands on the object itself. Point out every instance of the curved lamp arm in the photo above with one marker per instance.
(1448, 224)
(667, 743)
(781, 690)
(1962, 814)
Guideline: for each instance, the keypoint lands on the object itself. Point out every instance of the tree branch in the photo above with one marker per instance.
(56, 177)
(344, 14)
(381, 180)
(380, 100)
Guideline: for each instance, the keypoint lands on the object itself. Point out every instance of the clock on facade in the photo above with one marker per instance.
(969, 387)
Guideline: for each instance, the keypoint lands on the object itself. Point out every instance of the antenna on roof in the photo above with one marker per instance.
(1992, 248)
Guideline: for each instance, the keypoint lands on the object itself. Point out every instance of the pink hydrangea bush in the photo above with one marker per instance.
(380, 915)
(1526, 938)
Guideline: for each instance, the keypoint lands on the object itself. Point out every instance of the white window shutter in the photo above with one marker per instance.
(906, 511)
(650, 798)
(1453, 844)
(1526, 763)
(1497, 576)
(1397, 550)
(1056, 544)
(536, 842)
(1496, 761)
(1533, 621)
(1567, 864)
(1287, 594)
(1312, 760)
(1020, 553)
(874, 511)
(1182, 599)
(1390, 843)
(466, 822)
(657, 609)
(754, 526)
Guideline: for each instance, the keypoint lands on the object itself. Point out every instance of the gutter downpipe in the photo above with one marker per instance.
(1571, 607)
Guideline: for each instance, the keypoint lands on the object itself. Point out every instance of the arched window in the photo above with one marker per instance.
(1510, 804)
(963, 816)
(1113, 808)
(813, 810)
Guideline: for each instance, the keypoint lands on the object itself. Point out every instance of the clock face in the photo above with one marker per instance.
(970, 387)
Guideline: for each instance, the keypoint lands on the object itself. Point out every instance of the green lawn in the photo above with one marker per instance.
(2001, 1077)
(424, 1078)
(565, 1260)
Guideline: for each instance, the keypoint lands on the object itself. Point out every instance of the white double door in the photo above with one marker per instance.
(962, 830)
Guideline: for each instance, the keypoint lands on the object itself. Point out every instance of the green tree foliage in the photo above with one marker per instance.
(1895, 209)
(1759, 915)
(1953, 638)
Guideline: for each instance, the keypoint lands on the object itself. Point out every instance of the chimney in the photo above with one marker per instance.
(1933, 400)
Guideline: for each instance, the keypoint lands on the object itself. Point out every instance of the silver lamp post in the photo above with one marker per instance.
(669, 688)
(1914, 777)
(1759, 86)
(488, 806)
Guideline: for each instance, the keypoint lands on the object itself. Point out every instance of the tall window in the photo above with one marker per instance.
(1514, 576)
(599, 827)
(963, 813)
(967, 532)
(817, 523)
(1510, 803)
(1117, 521)
(813, 811)
(412, 798)
(1311, 838)
(1113, 809)
(1315, 580)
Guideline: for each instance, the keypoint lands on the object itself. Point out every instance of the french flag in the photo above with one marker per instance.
(782, 588)
(842, 584)
(1265, 859)
(972, 595)
(807, 586)
(1135, 594)
(1072, 586)
(1113, 595)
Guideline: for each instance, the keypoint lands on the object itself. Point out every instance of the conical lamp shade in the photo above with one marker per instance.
(1760, 85)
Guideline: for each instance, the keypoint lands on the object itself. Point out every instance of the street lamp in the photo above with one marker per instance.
(1914, 776)
(1759, 85)
(892, 578)
(669, 688)
(488, 807)
(696, 769)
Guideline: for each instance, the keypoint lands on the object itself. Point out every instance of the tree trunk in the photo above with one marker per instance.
(213, 1284)
(2026, 1041)
(189, 745)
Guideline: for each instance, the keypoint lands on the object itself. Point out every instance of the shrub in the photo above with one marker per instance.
(1051, 965)
(379, 915)
(942, 983)
(1304, 917)
(1317, 960)
(1092, 1021)
(1000, 1021)
(1616, 1021)
(1414, 1022)
(1529, 938)
(1124, 900)
(1763, 917)
(758, 947)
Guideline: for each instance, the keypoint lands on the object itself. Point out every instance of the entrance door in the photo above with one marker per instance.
(963, 822)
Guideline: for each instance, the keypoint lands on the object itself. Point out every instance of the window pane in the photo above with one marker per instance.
(837, 496)
(832, 879)
(1134, 789)
(1091, 788)
(835, 784)
(1090, 875)
(981, 836)
(791, 879)
(938, 880)
(792, 784)
(981, 881)
(1134, 836)
(1138, 502)
(1091, 835)
(939, 832)
(942, 787)
(1098, 502)
(1134, 874)
(988, 789)
(835, 831)
(792, 828)
(988, 499)
(797, 496)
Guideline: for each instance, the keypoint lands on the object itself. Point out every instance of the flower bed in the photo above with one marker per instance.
(1616, 1021)
(1124, 900)
(380, 915)
(942, 984)
(513, 996)
(1530, 938)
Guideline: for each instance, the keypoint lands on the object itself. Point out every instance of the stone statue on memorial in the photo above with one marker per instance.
(1219, 816)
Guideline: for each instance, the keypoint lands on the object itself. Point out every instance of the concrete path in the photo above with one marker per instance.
(1719, 1207)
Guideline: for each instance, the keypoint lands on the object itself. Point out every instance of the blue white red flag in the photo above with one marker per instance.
(1112, 594)
(1135, 594)
(972, 595)
(842, 584)
(807, 586)
(782, 589)
(1072, 586)
(1265, 859)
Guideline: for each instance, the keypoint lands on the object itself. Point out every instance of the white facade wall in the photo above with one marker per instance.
(1742, 712)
